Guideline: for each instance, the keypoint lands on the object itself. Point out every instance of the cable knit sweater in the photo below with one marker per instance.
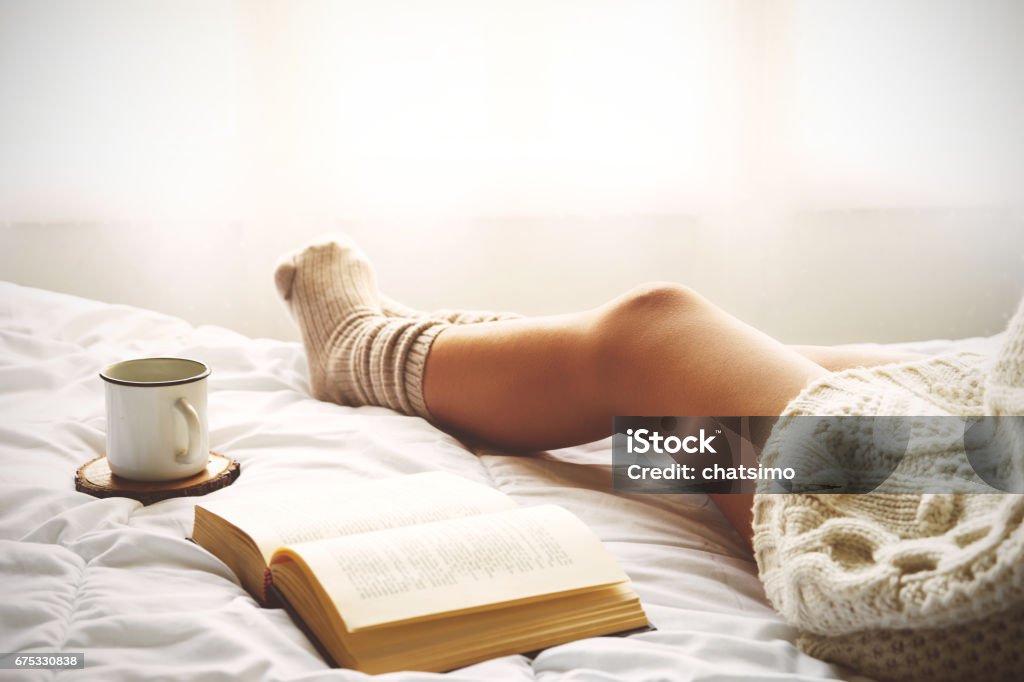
(902, 586)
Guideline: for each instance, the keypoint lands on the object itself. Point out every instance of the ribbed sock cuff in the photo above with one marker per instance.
(414, 366)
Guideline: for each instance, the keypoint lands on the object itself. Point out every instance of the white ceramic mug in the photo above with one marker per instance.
(156, 418)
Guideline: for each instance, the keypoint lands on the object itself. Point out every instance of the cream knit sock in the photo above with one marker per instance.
(357, 355)
(393, 308)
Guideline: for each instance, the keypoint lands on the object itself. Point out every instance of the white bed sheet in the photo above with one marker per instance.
(120, 582)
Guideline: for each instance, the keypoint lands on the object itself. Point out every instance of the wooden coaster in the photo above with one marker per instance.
(94, 477)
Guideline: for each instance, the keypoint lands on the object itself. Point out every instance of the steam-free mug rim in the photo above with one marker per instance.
(189, 370)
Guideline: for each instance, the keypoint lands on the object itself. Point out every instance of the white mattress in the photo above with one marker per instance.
(120, 582)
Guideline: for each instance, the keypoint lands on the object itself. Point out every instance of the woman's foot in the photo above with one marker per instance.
(357, 355)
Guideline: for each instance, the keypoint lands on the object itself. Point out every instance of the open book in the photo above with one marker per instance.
(422, 572)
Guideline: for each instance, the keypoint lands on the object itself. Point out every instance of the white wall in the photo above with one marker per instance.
(828, 171)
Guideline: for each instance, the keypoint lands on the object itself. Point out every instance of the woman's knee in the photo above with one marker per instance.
(644, 317)
(651, 303)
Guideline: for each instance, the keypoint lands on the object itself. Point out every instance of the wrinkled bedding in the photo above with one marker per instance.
(120, 582)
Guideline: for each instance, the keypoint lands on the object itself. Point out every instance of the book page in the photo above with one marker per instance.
(457, 564)
(295, 516)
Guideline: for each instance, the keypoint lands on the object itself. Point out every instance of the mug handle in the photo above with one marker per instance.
(194, 430)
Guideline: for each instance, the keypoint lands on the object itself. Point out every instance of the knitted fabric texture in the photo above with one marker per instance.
(356, 354)
(906, 586)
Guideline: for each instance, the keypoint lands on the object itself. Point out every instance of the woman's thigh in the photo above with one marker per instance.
(542, 383)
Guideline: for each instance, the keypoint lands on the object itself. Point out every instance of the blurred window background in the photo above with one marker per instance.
(832, 171)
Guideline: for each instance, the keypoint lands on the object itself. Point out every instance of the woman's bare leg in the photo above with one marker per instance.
(542, 383)
(531, 384)
(549, 382)
(837, 358)
(832, 358)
